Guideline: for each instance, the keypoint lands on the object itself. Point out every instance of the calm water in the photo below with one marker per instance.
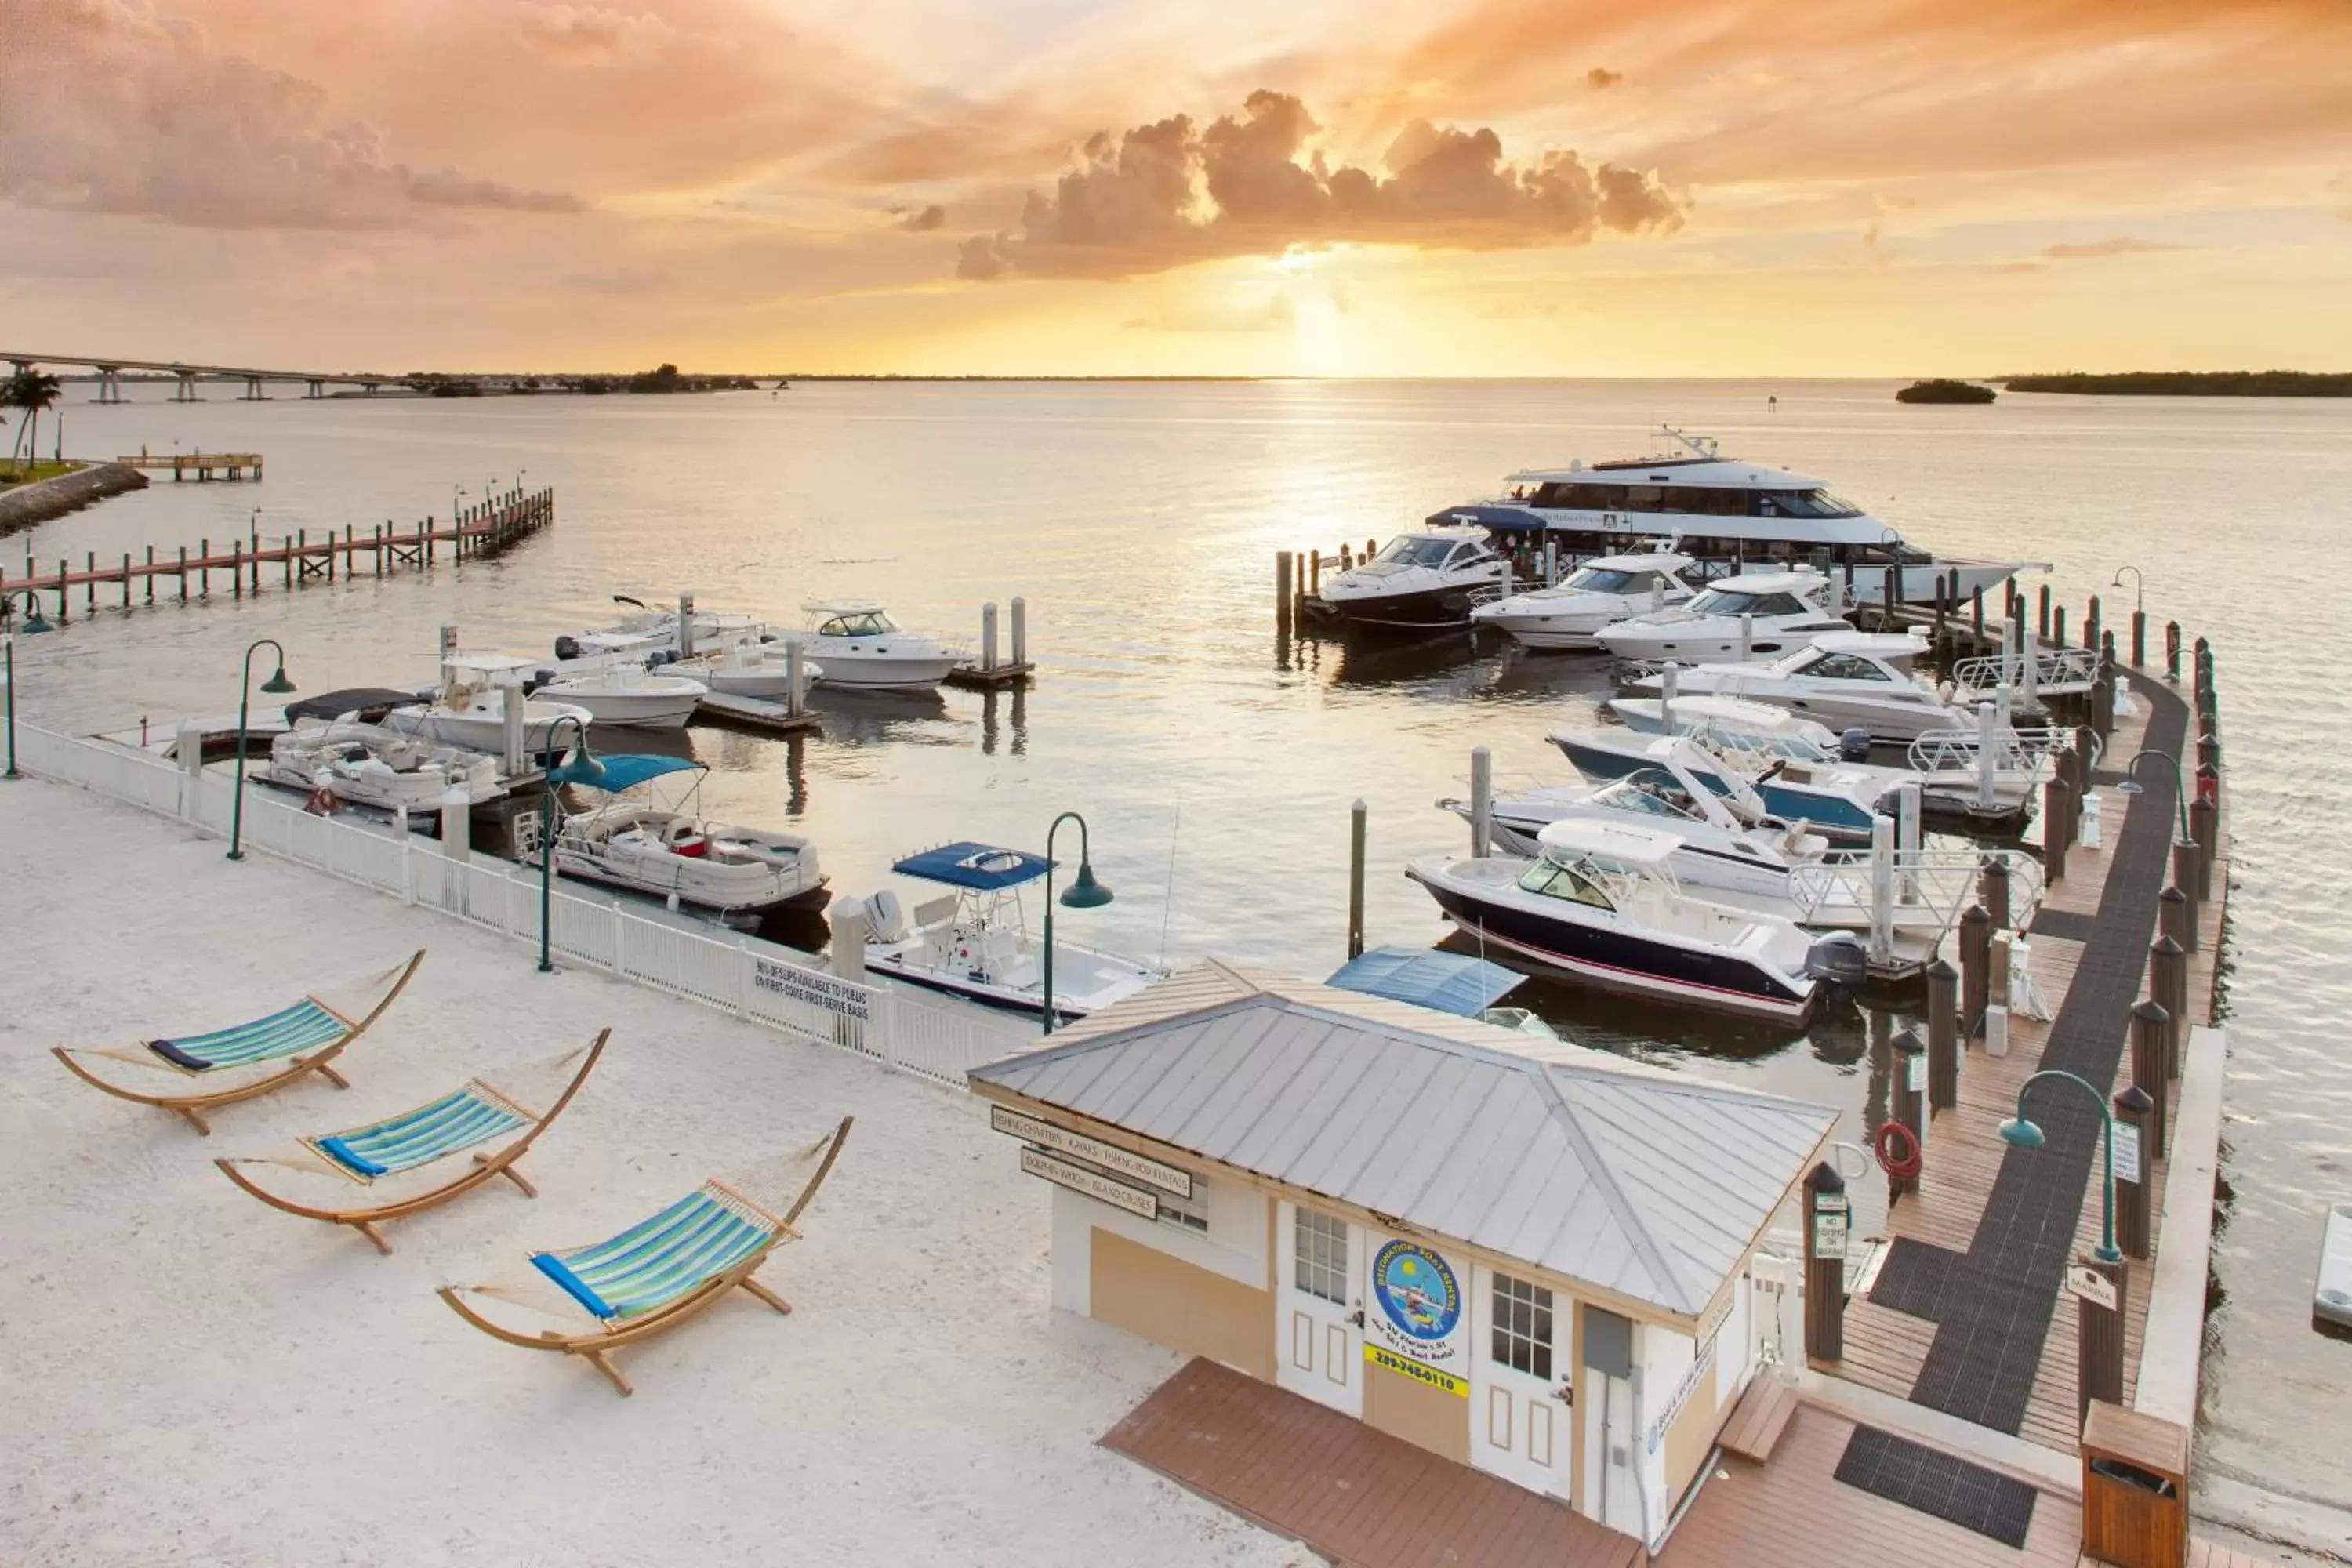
(1215, 766)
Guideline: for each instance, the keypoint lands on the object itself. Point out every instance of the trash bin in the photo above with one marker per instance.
(2135, 1489)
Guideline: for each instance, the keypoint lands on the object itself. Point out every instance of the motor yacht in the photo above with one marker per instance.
(1845, 681)
(1758, 614)
(974, 941)
(1425, 580)
(750, 669)
(365, 765)
(617, 693)
(861, 646)
(1600, 904)
(1571, 614)
(634, 840)
(1733, 515)
(469, 708)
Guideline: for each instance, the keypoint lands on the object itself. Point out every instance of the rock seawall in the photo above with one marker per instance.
(26, 505)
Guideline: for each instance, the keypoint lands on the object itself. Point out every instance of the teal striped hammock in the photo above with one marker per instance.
(305, 1026)
(657, 1261)
(456, 1121)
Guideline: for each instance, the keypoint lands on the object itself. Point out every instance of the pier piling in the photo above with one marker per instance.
(2168, 984)
(2184, 876)
(2099, 1336)
(2044, 617)
(1481, 800)
(988, 638)
(2151, 1029)
(2140, 639)
(1976, 963)
(1909, 1091)
(1282, 564)
(2135, 1135)
(1355, 816)
(2205, 827)
(2172, 918)
(1943, 1037)
(1992, 886)
(1828, 1222)
(2057, 825)
(1020, 608)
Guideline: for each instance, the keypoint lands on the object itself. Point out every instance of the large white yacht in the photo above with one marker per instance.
(1423, 581)
(1757, 614)
(1571, 612)
(1727, 512)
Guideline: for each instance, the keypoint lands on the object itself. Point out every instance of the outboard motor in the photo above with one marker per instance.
(535, 679)
(767, 636)
(1853, 746)
(567, 648)
(1838, 959)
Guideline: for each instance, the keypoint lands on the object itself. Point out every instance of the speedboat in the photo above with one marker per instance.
(1425, 580)
(973, 941)
(635, 842)
(1571, 614)
(616, 691)
(1755, 615)
(365, 765)
(1600, 904)
(1724, 838)
(1731, 514)
(1845, 681)
(750, 669)
(469, 708)
(861, 646)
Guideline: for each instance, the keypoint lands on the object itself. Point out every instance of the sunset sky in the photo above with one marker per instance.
(1443, 187)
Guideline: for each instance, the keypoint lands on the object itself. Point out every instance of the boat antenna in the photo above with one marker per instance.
(625, 599)
(1167, 904)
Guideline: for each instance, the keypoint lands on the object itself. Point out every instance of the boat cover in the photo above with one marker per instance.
(983, 867)
(1449, 982)
(629, 771)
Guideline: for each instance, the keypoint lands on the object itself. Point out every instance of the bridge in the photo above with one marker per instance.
(187, 378)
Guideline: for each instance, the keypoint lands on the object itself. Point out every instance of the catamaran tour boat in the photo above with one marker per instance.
(470, 706)
(1757, 614)
(1571, 614)
(675, 855)
(1733, 515)
(1845, 681)
(863, 649)
(1601, 904)
(1423, 581)
(973, 941)
(366, 764)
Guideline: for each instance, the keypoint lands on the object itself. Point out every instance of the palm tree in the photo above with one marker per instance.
(32, 391)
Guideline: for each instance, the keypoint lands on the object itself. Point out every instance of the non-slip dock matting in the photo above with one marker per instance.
(1970, 1496)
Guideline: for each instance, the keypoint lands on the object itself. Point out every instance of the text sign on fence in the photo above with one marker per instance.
(818, 990)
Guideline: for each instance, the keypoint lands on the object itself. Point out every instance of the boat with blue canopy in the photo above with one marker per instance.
(636, 841)
(973, 941)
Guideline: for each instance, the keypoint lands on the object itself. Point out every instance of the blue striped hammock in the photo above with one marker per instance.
(303, 1026)
(657, 1261)
(457, 1120)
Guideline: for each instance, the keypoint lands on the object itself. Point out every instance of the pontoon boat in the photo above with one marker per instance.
(675, 855)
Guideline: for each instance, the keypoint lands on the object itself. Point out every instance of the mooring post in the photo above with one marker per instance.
(151, 575)
(1829, 1225)
(1020, 632)
(1943, 1037)
(1992, 888)
(2184, 876)
(2091, 624)
(2099, 1338)
(2057, 825)
(237, 568)
(1481, 800)
(90, 583)
(1910, 1106)
(987, 636)
(2043, 618)
(2140, 639)
(2103, 696)
(795, 682)
(1356, 815)
(1976, 614)
(2168, 985)
(2139, 1141)
(2173, 652)
(2205, 827)
(2172, 918)
(126, 576)
(1975, 957)
(2086, 747)
(183, 574)
(1314, 559)
(1282, 589)
(2151, 1046)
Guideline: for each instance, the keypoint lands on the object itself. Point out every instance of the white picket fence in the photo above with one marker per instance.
(757, 981)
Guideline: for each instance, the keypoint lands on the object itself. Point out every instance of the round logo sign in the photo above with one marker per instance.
(1416, 1290)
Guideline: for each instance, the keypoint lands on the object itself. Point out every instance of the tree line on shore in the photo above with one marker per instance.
(2192, 383)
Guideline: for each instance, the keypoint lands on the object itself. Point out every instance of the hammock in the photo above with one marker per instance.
(662, 1270)
(302, 1038)
(381, 1152)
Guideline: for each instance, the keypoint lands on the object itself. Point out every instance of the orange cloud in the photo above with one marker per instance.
(2124, 245)
(1169, 194)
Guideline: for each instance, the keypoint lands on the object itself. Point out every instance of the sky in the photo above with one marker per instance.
(1085, 187)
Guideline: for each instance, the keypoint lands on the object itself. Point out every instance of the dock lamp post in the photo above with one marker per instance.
(35, 622)
(2179, 796)
(275, 686)
(2026, 1135)
(2139, 587)
(1082, 893)
(583, 768)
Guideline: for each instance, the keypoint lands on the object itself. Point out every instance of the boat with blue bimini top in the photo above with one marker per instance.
(974, 941)
(634, 841)
(1734, 516)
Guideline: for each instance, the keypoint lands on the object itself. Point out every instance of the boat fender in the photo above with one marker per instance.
(323, 797)
(567, 648)
(1853, 746)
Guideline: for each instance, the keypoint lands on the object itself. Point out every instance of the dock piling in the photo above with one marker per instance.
(987, 636)
(1481, 800)
(2150, 1068)
(2184, 876)
(2140, 639)
(1943, 1037)
(183, 574)
(2058, 626)
(2099, 1338)
(2138, 1119)
(1828, 1222)
(151, 575)
(1976, 967)
(1020, 632)
(2205, 827)
(795, 678)
(2168, 984)
(2057, 825)
(2172, 918)
(1356, 815)
(1992, 886)
(1910, 1106)
(1282, 589)
(2044, 620)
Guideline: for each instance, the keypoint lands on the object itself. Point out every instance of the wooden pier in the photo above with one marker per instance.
(754, 714)
(229, 466)
(294, 560)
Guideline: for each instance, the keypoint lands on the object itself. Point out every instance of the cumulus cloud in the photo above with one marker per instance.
(923, 219)
(591, 35)
(111, 106)
(2123, 246)
(1171, 192)
(1601, 76)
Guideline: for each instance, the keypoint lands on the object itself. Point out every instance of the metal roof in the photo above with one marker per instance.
(1642, 1184)
(981, 866)
(1452, 983)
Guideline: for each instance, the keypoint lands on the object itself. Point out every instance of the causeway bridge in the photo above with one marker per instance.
(187, 380)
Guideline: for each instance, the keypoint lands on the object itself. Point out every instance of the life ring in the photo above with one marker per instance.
(1892, 1136)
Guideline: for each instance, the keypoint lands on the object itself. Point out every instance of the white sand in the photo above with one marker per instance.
(192, 1378)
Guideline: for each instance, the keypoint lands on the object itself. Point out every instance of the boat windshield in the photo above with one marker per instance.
(1653, 792)
(861, 624)
(1742, 602)
(1416, 550)
(1557, 881)
(1750, 743)
(1608, 580)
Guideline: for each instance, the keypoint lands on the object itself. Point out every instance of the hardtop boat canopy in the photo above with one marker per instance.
(360, 700)
(489, 663)
(632, 769)
(1628, 845)
(980, 867)
(1452, 983)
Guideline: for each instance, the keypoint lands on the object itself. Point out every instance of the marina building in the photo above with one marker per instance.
(1526, 1257)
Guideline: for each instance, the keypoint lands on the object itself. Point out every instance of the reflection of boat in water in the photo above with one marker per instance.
(1392, 661)
(672, 854)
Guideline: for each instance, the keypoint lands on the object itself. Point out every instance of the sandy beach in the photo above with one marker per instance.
(193, 1378)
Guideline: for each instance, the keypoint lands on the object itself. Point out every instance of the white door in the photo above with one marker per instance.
(1518, 1415)
(1319, 1333)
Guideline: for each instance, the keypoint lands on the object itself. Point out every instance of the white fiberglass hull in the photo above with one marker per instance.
(660, 709)
(1887, 719)
(1532, 622)
(885, 673)
(486, 731)
(1712, 638)
(1085, 981)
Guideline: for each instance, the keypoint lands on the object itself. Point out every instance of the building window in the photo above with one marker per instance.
(1322, 1256)
(1523, 1326)
(1187, 1214)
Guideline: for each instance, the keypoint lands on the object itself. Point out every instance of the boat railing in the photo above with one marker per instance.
(2057, 672)
(2016, 754)
(1920, 892)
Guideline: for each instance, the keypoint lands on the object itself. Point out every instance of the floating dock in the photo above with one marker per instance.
(755, 714)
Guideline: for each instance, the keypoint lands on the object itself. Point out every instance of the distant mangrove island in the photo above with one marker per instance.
(2192, 383)
(1943, 389)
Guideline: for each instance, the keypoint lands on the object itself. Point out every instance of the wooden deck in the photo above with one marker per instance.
(1886, 1350)
(1357, 1496)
